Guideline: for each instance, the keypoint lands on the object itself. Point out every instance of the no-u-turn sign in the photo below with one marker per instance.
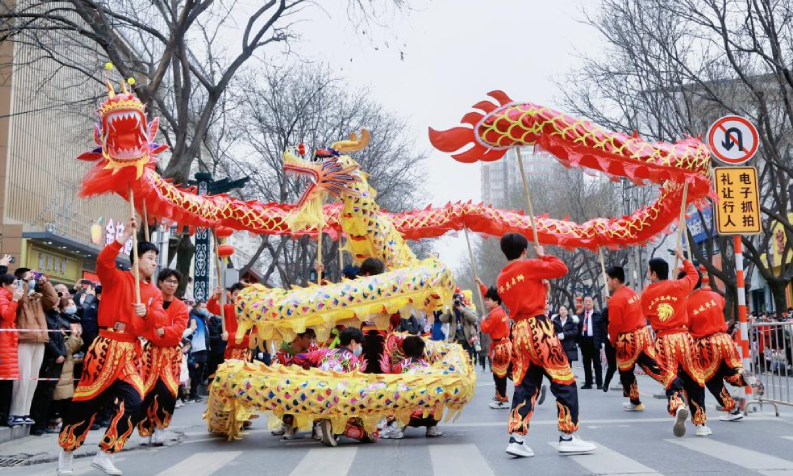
(733, 140)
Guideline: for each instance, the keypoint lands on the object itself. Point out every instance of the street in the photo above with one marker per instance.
(640, 443)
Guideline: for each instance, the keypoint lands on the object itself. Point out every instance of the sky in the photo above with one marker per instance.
(454, 53)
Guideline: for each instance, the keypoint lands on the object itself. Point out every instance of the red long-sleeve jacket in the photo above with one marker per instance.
(665, 303)
(625, 313)
(496, 324)
(9, 341)
(176, 317)
(706, 313)
(520, 285)
(118, 295)
(231, 323)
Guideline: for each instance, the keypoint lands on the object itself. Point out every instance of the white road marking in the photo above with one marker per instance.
(315, 463)
(614, 421)
(460, 460)
(749, 459)
(80, 466)
(201, 464)
(607, 461)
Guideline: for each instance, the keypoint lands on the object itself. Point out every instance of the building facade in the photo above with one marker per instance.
(501, 180)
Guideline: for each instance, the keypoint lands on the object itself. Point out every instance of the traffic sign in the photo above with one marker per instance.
(733, 140)
(738, 207)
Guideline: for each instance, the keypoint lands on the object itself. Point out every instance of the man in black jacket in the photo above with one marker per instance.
(217, 346)
(591, 341)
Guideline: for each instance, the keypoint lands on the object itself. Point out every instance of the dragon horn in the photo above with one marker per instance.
(353, 144)
(124, 87)
(111, 92)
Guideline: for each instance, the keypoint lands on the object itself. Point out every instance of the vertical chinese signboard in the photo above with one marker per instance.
(738, 210)
(201, 258)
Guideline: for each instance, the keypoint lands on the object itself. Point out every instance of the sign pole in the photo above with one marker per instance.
(742, 320)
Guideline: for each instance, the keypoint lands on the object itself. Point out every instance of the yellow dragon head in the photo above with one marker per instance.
(330, 170)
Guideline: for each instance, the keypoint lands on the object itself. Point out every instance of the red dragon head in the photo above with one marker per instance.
(124, 137)
(329, 170)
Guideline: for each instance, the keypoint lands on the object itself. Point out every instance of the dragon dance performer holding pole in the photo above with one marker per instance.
(234, 350)
(717, 354)
(496, 324)
(634, 345)
(537, 351)
(162, 361)
(111, 368)
(664, 302)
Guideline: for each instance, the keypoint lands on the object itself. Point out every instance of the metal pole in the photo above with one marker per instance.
(744, 344)
(218, 265)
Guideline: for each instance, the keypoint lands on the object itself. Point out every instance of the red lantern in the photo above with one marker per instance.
(223, 231)
(224, 251)
(301, 148)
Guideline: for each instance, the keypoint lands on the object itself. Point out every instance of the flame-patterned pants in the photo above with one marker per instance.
(161, 369)
(637, 348)
(501, 357)
(110, 374)
(676, 357)
(719, 360)
(537, 352)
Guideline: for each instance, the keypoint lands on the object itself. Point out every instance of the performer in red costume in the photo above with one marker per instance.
(536, 351)
(111, 369)
(496, 324)
(634, 343)
(162, 362)
(234, 350)
(717, 355)
(664, 303)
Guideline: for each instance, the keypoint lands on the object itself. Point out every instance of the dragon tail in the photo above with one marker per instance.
(457, 138)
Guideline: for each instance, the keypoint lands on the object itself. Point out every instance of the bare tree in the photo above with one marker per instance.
(309, 104)
(673, 67)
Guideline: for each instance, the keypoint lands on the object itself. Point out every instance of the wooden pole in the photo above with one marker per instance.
(473, 266)
(146, 223)
(681, 226)
(319, 255)
(135, 271)
(218, 265)
(528, 198)
(341, 259)
(603, 269)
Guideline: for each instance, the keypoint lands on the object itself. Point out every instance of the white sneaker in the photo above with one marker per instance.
(65, 463)
(499, 405)
(392, 432)
(630, 407)
(279, 431)
(158, 438)
(575, 446)
(290, 432)
(680, 422)
(434, 431)
(519, 448)
(703, 430)
(736, 415)
(104, 462)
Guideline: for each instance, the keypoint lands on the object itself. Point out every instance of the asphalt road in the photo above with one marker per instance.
(629, 443)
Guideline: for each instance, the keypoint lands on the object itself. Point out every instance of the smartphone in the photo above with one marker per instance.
(13, 260)
(18, 283)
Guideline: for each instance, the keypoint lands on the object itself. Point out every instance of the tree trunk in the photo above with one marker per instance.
(184, 257)
(778, 292)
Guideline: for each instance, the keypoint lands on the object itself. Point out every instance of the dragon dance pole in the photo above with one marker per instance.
(134, 270)
(341, 259)
(319, 255)
(528, 198)
(603, 269)
(473, 266)
(218, 264)
(681, 226)
(146, 223)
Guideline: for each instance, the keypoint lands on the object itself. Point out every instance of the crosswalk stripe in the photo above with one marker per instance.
(607, 461)
(638, 420)
(80, 466)
(749, 459)
(459, 460)
(201, 464)
(315, 463)
(788, 437)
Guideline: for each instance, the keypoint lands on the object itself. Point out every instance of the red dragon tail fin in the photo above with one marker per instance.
(457, 138)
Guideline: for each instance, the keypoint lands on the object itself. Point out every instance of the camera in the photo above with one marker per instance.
(457, 300)
(37, 276)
